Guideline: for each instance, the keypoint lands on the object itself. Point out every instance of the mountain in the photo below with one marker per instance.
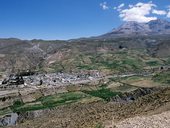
(159, 26)
(154, 27)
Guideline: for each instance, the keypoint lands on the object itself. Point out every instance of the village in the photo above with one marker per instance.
(58, 79)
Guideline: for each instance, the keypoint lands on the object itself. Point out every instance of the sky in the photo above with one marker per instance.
(68, 19)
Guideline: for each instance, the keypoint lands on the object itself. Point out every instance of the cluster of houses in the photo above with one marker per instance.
(30, 79)
(51, 79)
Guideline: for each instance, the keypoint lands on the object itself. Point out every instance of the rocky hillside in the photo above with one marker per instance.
(18, 54)
(120, 54)
(102, 53)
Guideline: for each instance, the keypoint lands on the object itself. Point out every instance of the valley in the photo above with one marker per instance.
(113, 80)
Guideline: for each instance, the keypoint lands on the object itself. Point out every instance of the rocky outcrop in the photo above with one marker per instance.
(8, 120)
(14, 118)
(134, 95)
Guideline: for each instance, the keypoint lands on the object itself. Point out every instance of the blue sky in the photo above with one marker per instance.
(67, 19)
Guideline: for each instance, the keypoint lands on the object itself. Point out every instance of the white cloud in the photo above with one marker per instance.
(159, 12)
(130, 6)
(119, 8)
(168, 14)
(139, 12)
(114, 8)
(121, 5)
(104, 6)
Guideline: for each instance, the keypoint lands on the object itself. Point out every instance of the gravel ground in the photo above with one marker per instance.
(155, 121)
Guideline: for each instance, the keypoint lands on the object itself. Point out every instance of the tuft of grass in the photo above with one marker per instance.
(99, 126)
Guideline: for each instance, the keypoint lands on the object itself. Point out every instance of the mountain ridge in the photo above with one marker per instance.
(132, 28)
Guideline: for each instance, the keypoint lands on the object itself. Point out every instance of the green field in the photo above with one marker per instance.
(50, 101)
(103, 93)
(163, 77)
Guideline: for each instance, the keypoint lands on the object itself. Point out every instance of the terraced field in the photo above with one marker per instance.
(105, 91)
(93, 114)
(52, 101)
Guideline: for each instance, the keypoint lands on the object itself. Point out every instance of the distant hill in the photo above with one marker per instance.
(136, 47)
